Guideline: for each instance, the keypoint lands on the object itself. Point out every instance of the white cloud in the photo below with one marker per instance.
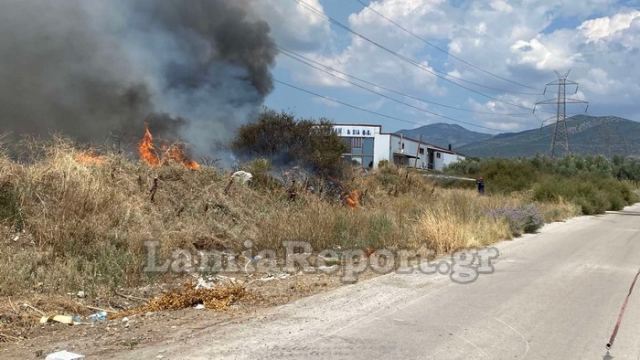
(502, 6)
(426, 18)
(293, 26)
(608, 26)
(509, 38)
(602, 54)
(544, 55)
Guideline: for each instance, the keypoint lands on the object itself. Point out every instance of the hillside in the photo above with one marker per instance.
(442, 134)
(588, 135)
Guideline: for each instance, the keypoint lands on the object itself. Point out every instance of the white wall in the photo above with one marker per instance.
(411, 149)
(446, 159)
(381, 145)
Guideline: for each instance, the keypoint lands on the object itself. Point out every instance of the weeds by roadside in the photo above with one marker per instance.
(73, 221)
(593, 184)
(73, 226)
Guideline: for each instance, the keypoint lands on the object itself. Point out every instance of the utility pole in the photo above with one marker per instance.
(560, 138)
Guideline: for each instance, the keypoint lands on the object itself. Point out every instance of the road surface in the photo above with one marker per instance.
(553, 295)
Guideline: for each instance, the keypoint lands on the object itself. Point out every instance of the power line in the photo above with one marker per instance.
(409, 60)
(375, 112)
(401, 27)
(328, 70)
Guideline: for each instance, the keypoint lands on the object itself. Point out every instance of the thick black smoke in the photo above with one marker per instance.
(87, 68)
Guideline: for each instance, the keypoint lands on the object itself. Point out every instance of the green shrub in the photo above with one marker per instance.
(593, 194)
(261, 171)
(286, 140)
(594, 183)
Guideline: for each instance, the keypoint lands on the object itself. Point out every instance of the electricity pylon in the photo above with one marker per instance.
(560, 139)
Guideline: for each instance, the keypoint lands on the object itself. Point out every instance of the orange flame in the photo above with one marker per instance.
(353, 199)
(175, 152)
(89, 158)
(147, 150)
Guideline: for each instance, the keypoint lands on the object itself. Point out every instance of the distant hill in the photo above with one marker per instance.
(444, 134)
(588, 135)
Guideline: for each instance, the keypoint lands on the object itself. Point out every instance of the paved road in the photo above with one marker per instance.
(554, 295)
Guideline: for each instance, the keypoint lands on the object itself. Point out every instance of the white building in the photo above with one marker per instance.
(368, 145)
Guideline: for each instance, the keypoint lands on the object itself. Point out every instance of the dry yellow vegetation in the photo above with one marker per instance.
(75, 224)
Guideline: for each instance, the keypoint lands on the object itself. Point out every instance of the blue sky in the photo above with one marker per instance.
(523, 41)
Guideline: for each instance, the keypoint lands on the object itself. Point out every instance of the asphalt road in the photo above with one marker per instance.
(553, 295)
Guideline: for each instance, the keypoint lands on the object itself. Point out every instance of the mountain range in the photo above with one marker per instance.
(588, 135)
(443, 135)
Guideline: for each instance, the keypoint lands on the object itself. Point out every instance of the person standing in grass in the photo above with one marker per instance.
(480, 185)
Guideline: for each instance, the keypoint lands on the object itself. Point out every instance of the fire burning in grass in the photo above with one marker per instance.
(175, 152)
(90, 158)
(147, 150)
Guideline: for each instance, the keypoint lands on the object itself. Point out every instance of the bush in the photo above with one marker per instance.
(284, 140)
(261, 171)
(594, 195)
(524, 219)
(591, 182)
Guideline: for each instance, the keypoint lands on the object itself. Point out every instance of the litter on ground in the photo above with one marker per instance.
(64, 355)
(63, 319)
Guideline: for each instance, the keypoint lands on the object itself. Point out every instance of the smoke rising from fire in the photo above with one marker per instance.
(88, 68)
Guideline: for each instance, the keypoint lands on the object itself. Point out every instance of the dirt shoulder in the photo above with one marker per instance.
(97, 339)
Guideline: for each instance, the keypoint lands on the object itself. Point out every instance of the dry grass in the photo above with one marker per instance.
(459, 220)
(216, 298)
(73, 226)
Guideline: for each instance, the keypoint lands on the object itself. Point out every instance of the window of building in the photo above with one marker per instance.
(339, 131)
(402, 146)
(356, 142)
(421, 151)
(438, 155)
(348, 132)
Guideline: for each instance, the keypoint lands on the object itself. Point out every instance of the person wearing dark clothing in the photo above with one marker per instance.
(480, 184)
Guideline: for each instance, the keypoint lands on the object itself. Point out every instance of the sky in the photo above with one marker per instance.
(514, 48)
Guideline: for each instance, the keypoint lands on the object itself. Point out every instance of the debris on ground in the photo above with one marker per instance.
(64, 355)
(62, 319)
(212, 281)
(189, 295)
(98, 317)
(270, 277)
(242, 176)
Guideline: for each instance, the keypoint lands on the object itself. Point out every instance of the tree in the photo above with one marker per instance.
(287, 141)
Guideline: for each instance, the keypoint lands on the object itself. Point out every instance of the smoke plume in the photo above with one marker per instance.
(195, 69)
